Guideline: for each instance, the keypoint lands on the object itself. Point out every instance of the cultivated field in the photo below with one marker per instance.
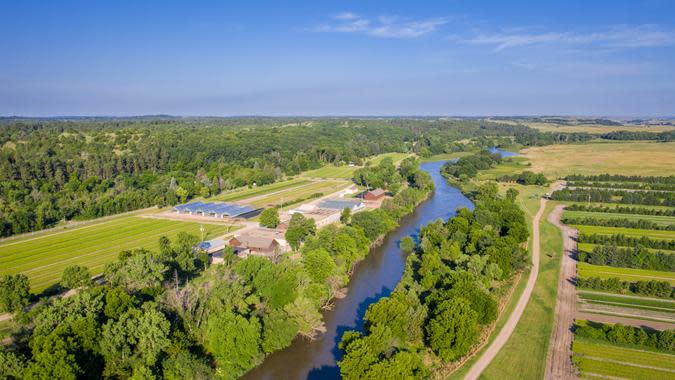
(661, 220)
(601, 230)
(258, 191)
(625, 274)
(299, 192)
(629, 158)
(595, 359)
(597, 129)
(42, 258)
(332, 171)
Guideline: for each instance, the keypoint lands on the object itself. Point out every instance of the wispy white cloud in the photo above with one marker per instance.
(621, 36)
(383, 26)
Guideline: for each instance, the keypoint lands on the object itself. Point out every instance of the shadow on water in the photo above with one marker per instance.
(375, 277)
(333, 371)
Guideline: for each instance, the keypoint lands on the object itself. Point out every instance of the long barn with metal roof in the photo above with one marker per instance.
(216, 209)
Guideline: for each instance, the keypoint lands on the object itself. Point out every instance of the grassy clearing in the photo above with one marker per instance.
(511, 165)
(396, 157)
(600, 230)
(238, 195)
(332, 171)
(590, 367)
(661, 220)
(625, 274)
(639, 158)
(622, 354)
(299, 192)
(43, 258)
(632, 302)
(524, 355)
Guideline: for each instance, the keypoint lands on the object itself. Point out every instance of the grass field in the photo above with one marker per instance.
(597, 129)
(396, 157)
(332, 171)
(524, 355)
(640, 158)
(632, 302)
(615, 205)
(299, 192)
(661, 220)
(238, 195)
(512, 165)
(654, 234)
(43, 258)
(595, 358)
(625, 274)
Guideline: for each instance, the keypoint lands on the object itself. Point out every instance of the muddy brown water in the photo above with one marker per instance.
(374, 277)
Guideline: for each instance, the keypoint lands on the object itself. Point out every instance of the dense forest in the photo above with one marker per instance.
(56, 170)
(169, 314)
(445, 298)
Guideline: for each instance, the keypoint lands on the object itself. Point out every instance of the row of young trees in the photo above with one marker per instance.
(619, 222)
(651, 288)
(624, 185)
(622, 209)
(628, 335)
(627, 241)
(637, 257)
(444, 299)
(654, 198)
(666, 180)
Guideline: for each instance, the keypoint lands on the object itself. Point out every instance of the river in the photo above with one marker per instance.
(374, 277)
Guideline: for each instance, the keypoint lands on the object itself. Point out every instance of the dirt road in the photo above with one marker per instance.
(559, 362)
(510, 325)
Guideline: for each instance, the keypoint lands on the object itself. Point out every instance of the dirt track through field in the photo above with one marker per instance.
(559, 361)
(510, 325)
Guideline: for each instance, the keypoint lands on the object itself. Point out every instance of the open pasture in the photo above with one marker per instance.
(332, 171)
(42, 258)
(300, 192)
(238, 195)
(395, 156)
(626, 274)
(629, 158)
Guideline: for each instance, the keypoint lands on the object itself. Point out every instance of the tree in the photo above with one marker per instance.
(346, 215)
(185, 365)
(141, 269)
(407, 244)
(234, 341)
(181, 193)
(511, 194)
(75, 276)
(14, 292)
(278, 331)
(12, 366)
(299, 228)
(270, 218)
(318, 265)
(453, 329)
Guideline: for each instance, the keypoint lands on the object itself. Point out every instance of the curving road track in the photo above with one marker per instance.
(510, 325)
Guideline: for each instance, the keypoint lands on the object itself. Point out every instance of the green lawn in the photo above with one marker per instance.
(601, 359)
(625, 274)
(661, 220)
(42, 258)
(238, 195)
(332, 171)
(654, 234)
(632, 302)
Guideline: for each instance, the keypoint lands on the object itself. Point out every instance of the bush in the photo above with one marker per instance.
(75, 276)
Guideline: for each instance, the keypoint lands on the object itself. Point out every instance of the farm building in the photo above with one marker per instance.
(260, 242)
(217, 209)
(342, 203)
(373, 195)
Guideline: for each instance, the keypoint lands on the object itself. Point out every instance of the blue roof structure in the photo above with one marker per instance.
(341, 204)
(214, 208)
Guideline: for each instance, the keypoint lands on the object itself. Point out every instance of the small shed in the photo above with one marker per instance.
(373, 195)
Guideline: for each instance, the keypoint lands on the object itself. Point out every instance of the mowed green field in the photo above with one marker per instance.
(661, 220)
(238, 195)
(332, 171)
(626, 274)
(396, 157)
(654, 234)
(299, 192)
(598, 359)
(42, 258)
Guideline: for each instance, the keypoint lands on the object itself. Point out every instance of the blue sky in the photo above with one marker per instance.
(365, 57)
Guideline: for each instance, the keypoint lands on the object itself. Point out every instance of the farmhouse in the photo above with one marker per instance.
(217, 210)
(260, 242)
(373, 195)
